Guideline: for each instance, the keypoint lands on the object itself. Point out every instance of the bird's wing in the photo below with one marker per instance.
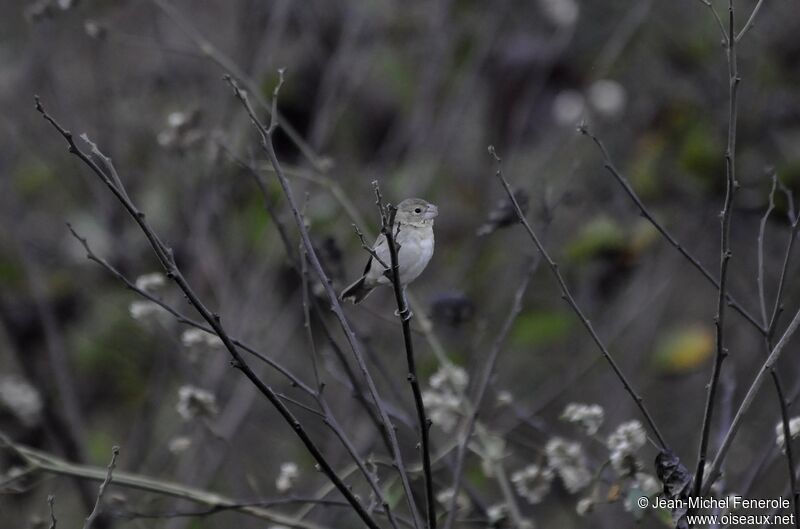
(373, 271)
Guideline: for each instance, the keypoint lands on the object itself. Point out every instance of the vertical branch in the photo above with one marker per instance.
(51, 500)
(755, 386)
(483, 384)
(98, 506)
(355, 346)
(567, 296)
(388, 230)
(762, 229)
(725, 251)
(783, 404)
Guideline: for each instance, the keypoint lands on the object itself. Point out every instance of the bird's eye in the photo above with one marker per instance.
(418, 210)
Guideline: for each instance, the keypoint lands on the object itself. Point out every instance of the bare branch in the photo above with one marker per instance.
(762, 228)
(750, 21)
(48, 463)
(775, 354)
(51, 500)
(567, 296)
(368, 248)
(388, 213)
(98, 507)
(647, 214)
(731, 185)
(214, 321)
(355, 346)
(483, 384)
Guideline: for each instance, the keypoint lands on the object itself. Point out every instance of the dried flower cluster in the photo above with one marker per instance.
(194, 402)
(794, 430)
(623, 444)
(588, 416)
(21, 399)
(443, 400)
(287, 477)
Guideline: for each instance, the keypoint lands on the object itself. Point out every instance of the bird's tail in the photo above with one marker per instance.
(357, 291)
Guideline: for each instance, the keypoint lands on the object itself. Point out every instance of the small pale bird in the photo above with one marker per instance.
(414, 237)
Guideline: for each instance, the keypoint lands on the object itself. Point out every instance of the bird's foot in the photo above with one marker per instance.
(406, 315)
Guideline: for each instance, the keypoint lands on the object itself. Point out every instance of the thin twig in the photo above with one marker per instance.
(307, 319)
(181, 318)
(51, 464)
(777, 309)
(301, 268)
(647, 214)
(51, 500)
(762, 228)
(98, 506)
(166, 259)
(714, 469)
(388, 231)
(266, 143)
(488, 370)
(369, 248)
(231, 68)
(722, 29)
(750, 21)
(567, 296)
(725, 251)
(783, 404)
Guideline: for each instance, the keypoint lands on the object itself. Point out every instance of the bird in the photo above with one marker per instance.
(413, 235)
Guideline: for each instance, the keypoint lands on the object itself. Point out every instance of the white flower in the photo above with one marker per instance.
(443, 408)
(145, 310)
(794, 430)
(623, 444)
(21, 399)
(445, 497)
(607, 97)
(504, 398)
(195, 402)
(192, 337)
(533, 482)
(450, 377)
(647, 484)
(588, 416)
(287, 477)
(493, 449)
(584, 506)
(179, 444)
(151, 282)
(177, 119)
(568, 107)
(497, 513)
(560, 12)
(569, 462)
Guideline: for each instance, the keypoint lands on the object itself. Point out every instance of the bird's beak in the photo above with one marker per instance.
(432, 212)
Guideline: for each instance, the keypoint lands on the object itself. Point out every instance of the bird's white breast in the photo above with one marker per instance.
(418, 251)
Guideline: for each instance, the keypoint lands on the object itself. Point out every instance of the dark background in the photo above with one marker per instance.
(409, 94)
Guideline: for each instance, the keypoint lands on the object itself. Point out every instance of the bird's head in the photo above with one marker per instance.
(416, 212)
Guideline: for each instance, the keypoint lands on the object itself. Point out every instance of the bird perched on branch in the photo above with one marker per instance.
(413, 234)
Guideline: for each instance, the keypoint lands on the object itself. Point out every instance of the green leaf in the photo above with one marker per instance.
(602, 234)
(540, 327)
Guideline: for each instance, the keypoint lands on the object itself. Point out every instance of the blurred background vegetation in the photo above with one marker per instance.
(409, 94)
